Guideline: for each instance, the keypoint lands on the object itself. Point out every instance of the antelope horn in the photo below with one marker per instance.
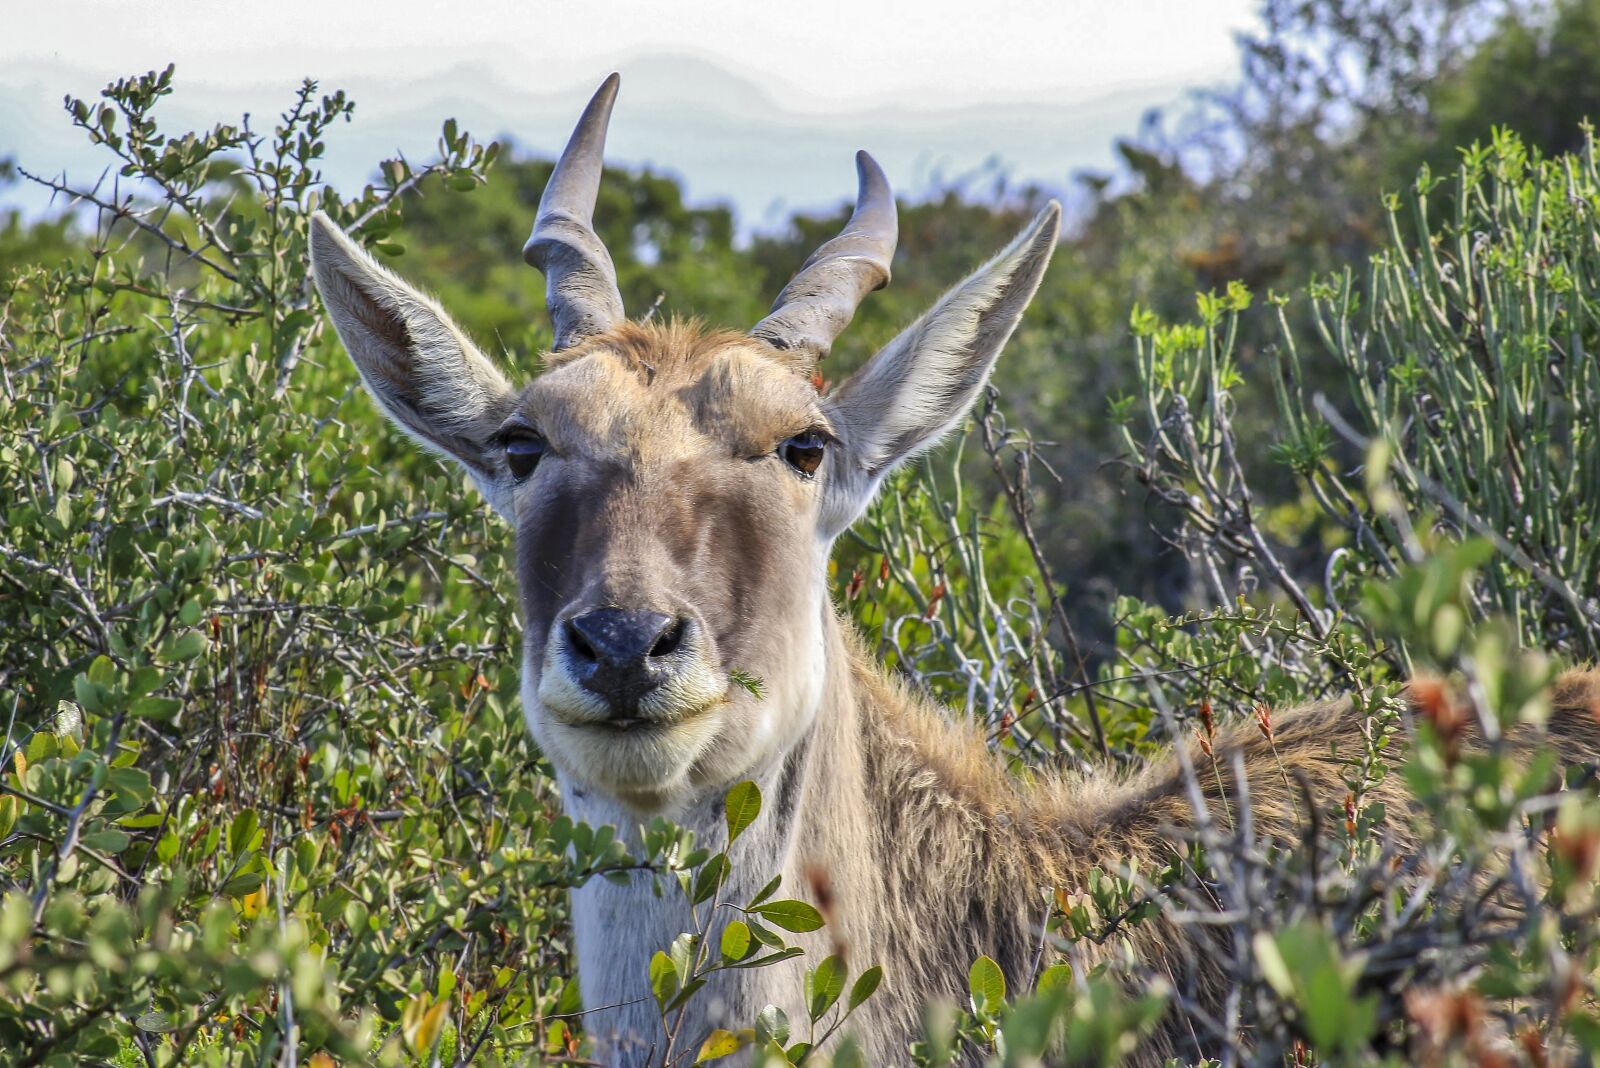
(820, 300)
(580, 280)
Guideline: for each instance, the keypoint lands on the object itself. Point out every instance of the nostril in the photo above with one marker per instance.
(578, 644)
(671, 639)
(622, 653)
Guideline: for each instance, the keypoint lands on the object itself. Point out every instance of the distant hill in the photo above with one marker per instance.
(717, 130)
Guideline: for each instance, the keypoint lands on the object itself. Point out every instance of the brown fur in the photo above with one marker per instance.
(963, 856)
(674, 346)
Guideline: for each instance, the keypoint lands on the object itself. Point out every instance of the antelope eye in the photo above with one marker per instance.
(522, 454)
(803, 452)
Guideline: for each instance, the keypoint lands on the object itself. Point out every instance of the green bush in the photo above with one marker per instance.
(265, 793)
(1452, 531)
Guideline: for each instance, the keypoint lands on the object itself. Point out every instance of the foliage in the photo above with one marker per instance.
(1534, 74)
(264, 791)
(1472, 407)
(1466, 360)
(682, 970)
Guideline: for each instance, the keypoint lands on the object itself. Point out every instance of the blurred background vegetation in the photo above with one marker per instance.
(265, 783)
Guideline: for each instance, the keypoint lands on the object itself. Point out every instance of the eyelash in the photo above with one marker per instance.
(536, 447)
(805, 451)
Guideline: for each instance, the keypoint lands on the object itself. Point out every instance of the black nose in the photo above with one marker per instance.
(617, 652)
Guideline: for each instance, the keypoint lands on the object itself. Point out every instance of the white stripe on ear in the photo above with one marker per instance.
(417, 364)
(922, 384)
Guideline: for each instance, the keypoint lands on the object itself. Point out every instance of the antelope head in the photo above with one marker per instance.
(674, 493)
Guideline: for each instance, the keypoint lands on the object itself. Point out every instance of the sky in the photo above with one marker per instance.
(755, 102)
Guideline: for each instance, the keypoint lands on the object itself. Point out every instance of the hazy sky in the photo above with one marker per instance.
(804, 70)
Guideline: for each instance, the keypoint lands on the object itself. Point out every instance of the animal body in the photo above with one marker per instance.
(674, 493)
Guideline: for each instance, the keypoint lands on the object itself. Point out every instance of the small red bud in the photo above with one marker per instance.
(857, 580)
(1264, 721)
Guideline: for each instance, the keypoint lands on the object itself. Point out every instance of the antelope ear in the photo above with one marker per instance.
(415, 362)
(920, 386)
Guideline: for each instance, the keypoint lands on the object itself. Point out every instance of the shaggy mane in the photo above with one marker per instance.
(674, 346)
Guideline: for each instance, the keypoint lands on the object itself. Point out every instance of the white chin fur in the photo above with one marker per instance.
(690, 691)
(646, 764)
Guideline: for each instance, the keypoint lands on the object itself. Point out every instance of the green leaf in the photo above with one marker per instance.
(864, 986)
(750, 683)
(764, 936)
(1027, 1031)
(90, 694)
(240, 885)
(157, 708)
(1273, 967)
(131, 784)
(156, 1022)
(187, 647)
(141, 822)
(689, 991)
(10, 808)
(242, 831)
(1056, 977)
(767, 891)
(823, 985)
(987, 985)
(710, 878)
(773, 1023)
(143, 680)
(741, 807)
(791, 915)
(736, 941)
(108, 840)
(102, 670)
(1303, 964)
(682, 954)
(663, 978)
(42, 746)
(778, 957)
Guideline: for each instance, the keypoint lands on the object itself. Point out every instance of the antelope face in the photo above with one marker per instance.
(674, 492)
(666, 495)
